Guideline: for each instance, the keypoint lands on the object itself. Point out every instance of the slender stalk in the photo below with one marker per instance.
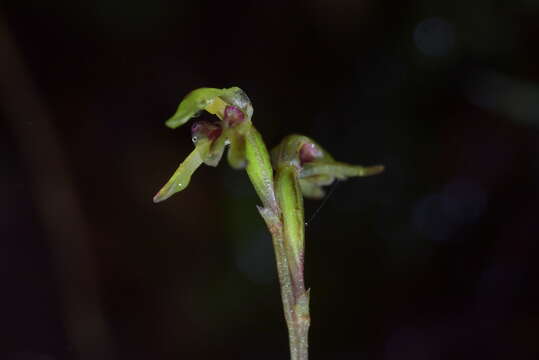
(283, 213)
(295, 299)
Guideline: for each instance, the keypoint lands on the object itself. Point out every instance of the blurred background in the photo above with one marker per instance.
(434, 259)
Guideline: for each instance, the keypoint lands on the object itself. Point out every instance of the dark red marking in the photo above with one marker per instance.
(233, 116)
(206, 129)
(308, 153)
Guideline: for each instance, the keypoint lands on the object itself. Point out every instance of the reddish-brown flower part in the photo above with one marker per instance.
(205, 129)
(309, 152)
(233, 116)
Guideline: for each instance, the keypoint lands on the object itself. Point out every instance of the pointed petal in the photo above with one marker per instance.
(182, 176)
(338, 170)
(259, 168)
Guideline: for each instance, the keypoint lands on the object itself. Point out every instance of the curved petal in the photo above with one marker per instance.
(237, 97)
(182, 176)
(196, 101)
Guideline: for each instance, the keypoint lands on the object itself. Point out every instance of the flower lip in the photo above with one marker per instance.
(233, 116)
(205, 129)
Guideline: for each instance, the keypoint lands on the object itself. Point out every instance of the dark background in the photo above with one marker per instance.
(434, 259)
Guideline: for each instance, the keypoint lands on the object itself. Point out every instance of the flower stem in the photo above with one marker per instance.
(294, 297)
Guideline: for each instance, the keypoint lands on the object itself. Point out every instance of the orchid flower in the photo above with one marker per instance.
(299, 167)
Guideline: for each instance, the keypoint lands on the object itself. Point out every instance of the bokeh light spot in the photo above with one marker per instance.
(515, 98)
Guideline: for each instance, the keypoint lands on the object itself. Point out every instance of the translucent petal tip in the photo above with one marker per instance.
(159, 197)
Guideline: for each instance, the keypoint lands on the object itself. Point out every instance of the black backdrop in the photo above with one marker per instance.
(434, 259)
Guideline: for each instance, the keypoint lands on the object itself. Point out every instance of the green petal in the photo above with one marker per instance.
(182, 176)
(237, 97)
(259, 168)
(338, 170)
(236, 151)
(311, 190)
(216, 150)
(193, 103)
(290, 200)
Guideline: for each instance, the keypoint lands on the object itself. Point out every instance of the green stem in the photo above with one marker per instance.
(295, 299)
(283, 214)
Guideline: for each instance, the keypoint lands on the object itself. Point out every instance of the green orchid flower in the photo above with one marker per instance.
(302, 167)
(246, 147)
(316, 167)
